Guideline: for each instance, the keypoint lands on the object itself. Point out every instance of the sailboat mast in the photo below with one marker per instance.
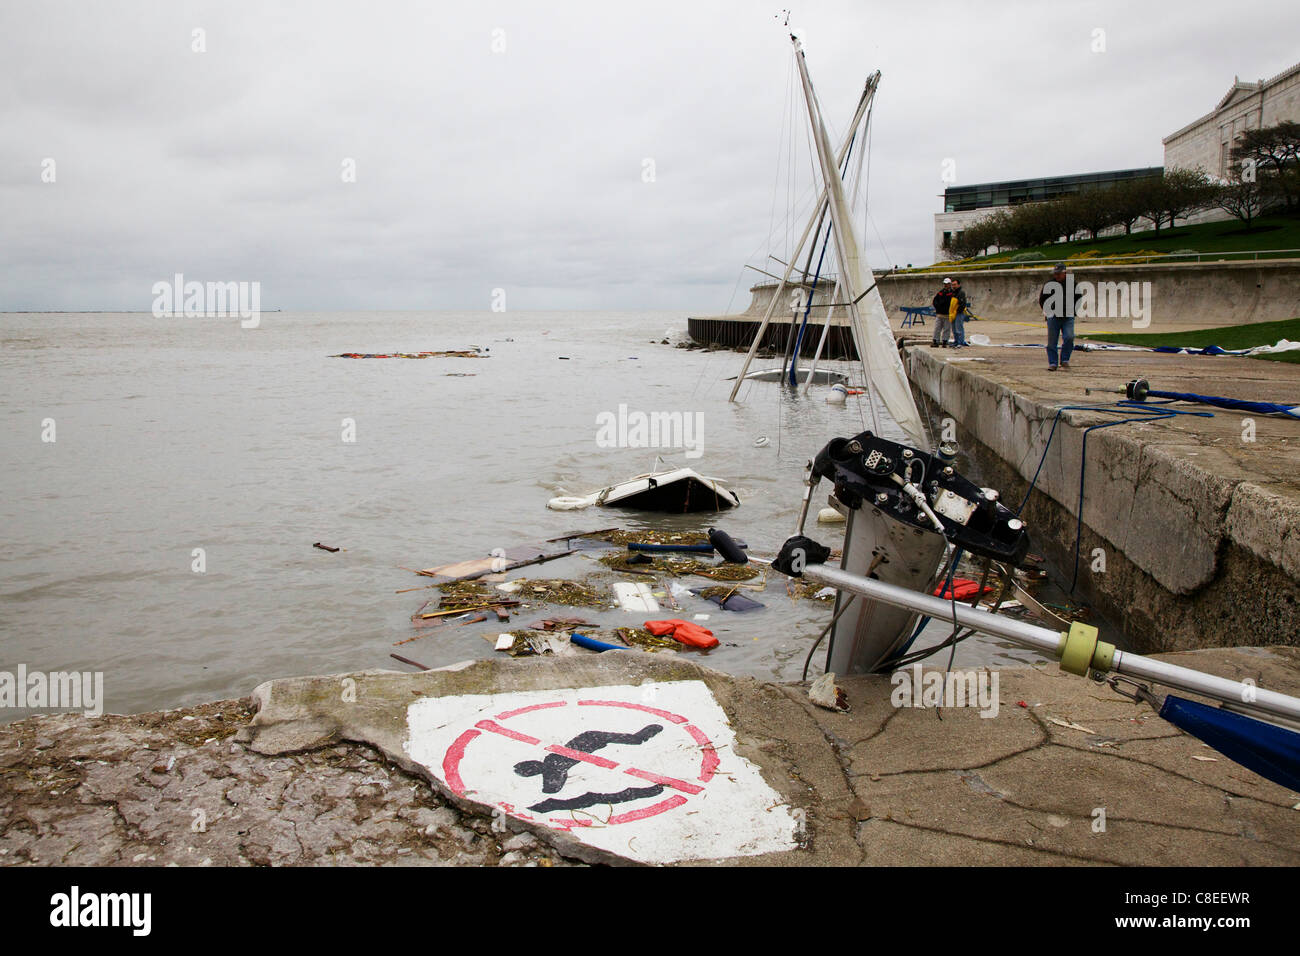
(819, 210)
(874, 339)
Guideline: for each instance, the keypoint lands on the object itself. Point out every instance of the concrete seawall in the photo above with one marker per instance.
(1190, 527)
(1220, 293)
(1183, 294)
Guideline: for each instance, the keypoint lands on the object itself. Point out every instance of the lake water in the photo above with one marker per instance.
(175, 434)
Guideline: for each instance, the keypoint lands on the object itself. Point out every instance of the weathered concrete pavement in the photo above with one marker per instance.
(325, 775)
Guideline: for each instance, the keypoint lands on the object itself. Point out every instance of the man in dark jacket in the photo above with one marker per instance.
(942, 302)
(1059, 300)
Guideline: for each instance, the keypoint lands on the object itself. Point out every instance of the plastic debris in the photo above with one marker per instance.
(591, 644)
(729, 599)
(1070, 726)
(683, 631)
(635, 597)
(825, 693)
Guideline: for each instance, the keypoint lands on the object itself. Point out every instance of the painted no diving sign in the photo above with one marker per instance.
(648, 771)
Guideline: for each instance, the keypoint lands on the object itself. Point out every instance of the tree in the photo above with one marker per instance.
(1093, 210)
(1244, 196)
(1272, 152)
(976, 238)
(1129, 199)
(1178, 194)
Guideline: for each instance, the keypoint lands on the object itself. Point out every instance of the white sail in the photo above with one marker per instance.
(868, 321)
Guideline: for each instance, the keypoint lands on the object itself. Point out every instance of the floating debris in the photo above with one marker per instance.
(326, 547)
(464, 592)
(718, 572)
(623, 537)
(449, 353)
(808, 590)
(627, 562)
(729, 599)
(557, 591)
(640, 637)
(525, 643)
(684, 632)
(560, 624)
(407, 660)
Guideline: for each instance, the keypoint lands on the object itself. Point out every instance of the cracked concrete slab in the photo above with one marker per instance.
(754, 782)
(317, 770)
(1066, 772)
(174, 789)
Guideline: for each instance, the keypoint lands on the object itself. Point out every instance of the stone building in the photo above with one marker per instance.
(1207, 142)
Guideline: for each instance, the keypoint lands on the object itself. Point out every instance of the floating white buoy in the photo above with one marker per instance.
(570, 502)
(761, 441)
(838, 395)
(830, 516)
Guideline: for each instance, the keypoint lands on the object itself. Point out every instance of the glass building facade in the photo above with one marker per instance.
(1013, 192)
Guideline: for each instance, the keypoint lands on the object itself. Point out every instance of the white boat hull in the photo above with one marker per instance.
(676, 492)
(871, 633)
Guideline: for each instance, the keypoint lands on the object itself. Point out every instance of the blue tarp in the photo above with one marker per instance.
(1271, 751)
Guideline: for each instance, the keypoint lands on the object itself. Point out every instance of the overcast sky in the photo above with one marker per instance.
(522, 168)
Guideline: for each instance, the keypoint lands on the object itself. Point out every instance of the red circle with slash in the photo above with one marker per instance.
(496, 726)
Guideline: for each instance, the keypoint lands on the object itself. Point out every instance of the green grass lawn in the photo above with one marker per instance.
(1229, 238)
(1227, 337)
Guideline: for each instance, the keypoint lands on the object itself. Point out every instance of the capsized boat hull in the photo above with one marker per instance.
(676, 492)
(680, 491)
(904, 507)
(821, 376)
(871, 633)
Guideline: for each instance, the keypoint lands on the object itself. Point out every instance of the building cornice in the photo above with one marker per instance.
(1253, 89)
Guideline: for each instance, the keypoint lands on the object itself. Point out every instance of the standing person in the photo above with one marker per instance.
(958, 315)
(942, 304)
(1059, 300)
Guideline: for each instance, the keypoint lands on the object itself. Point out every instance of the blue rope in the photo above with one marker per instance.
(1236, 404)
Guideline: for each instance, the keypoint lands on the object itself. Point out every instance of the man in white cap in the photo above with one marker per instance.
(942, 303)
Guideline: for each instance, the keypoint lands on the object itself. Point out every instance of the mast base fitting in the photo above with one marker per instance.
(1082, 652)
(799, 552)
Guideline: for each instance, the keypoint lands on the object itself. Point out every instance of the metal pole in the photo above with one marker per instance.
(867, 93)
(1051, 643)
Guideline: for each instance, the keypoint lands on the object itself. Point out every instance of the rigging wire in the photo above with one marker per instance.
(1140, 411)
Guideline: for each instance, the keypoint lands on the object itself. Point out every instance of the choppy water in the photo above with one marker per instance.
(180, 434)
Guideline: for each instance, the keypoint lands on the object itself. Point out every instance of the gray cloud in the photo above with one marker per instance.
(522, 169)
